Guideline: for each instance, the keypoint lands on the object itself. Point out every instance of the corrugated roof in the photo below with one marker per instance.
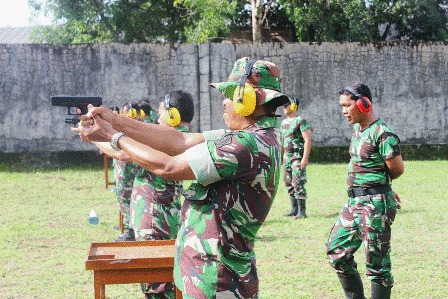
(15, 35)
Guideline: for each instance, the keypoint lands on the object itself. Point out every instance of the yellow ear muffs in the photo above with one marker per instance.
(142, 113)
(172, 114)
(293, 107)
(173, 117)
(132, 113)
(244, 100)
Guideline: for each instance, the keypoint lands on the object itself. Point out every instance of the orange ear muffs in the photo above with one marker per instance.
(244, 100)
(172, 114)
(142, 113)
(363, 103)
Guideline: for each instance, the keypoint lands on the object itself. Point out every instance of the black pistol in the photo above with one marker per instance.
(70, 102)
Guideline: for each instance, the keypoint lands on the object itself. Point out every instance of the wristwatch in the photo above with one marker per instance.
(114, 140)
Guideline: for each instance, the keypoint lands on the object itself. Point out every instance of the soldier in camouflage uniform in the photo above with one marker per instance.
(237, 174)
(155, 204)
(296, 146)
(124, 174)
(370, 211)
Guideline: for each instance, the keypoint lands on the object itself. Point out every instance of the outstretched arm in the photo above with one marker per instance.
(160, 163)
(164, 139)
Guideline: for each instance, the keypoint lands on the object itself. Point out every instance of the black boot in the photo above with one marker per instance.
(380, 292)
(293, 211)
(127, 236)
(352, 286)
(302, 209)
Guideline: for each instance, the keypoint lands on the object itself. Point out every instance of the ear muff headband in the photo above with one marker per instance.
(172, 114)
(363, 103)
(244, 97)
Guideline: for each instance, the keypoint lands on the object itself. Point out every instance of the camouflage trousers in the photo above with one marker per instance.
(124, 201)
(154, 221)
(367, 220)
(124, 175)
(158, 290)
(295, 178)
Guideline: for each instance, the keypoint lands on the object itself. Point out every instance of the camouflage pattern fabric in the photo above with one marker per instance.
(152, 118)
(155, 215)
(367, 219)
(368, 150)
(264, 78)
(214, 247)
(124, 174)
(293, 142)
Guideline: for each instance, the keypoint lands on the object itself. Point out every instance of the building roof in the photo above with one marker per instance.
(15, 35)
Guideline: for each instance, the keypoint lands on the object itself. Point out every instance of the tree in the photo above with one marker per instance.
(126, 21)
(369, 20)
(209, 18)
(214, 19)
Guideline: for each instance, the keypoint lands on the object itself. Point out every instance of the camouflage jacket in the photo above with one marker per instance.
(161, 202)
(369, 149)
(237, 178)
(292, 139)
(152, 118)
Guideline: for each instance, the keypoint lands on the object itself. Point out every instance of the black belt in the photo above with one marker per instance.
(361, 191)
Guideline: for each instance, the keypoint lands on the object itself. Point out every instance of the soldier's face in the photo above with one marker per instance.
(162, 115)
(349, 109)
(233, 120)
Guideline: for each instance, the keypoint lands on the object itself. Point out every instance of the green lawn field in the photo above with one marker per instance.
(45, 235)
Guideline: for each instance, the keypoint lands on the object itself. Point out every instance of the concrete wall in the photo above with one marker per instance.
(408, 84)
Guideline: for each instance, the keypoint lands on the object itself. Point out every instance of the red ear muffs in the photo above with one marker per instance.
(363, 103)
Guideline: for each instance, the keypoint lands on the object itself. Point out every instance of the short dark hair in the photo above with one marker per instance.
(360, 88)
(145, 106)
(130, 106)
(183, 102)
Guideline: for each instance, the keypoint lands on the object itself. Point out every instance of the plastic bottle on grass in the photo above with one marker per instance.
(93, 217)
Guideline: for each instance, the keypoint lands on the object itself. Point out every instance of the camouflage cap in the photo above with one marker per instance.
(264, 78)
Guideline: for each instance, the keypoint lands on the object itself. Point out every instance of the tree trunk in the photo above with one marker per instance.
(257, 11)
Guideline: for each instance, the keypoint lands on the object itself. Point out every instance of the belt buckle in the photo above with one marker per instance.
(350, 192)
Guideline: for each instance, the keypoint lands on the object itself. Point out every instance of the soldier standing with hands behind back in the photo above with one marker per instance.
(296, 145)
(370, 211)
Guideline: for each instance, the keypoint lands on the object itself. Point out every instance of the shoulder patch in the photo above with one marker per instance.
(224, 140)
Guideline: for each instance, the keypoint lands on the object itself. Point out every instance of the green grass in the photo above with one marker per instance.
(45, 235)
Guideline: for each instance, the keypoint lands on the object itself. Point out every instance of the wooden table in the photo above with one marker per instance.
(131, 262)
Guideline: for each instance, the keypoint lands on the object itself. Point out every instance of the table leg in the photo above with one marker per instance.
(177, 293)
(100, 289)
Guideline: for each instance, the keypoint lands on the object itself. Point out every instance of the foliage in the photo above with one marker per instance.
(104, 21)
(367, 21)
(101, 21)
(209, 18)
